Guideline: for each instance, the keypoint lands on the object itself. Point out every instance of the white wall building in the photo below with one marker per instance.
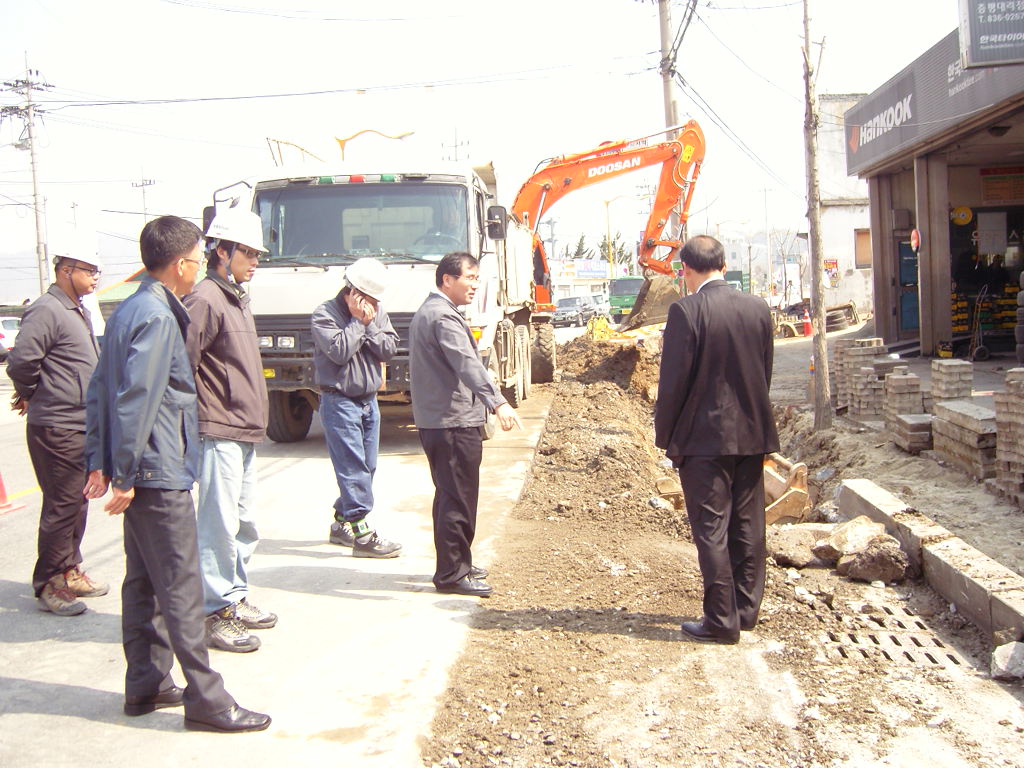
(845, 222)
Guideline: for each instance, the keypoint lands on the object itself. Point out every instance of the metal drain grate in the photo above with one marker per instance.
(901, 637)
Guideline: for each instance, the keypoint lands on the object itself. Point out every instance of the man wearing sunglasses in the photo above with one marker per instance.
(224, 351)
(50, 366)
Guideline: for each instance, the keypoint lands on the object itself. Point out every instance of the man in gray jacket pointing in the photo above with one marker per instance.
(451, 394)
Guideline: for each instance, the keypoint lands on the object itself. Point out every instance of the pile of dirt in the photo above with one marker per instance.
(578, 659)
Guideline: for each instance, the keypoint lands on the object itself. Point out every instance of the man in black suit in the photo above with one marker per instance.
(714, 420)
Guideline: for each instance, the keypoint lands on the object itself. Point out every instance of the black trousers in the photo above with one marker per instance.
(58, 458)
(162, 602)
(725, 503)
(454, 456)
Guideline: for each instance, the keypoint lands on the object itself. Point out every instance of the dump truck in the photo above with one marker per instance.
(316, 223)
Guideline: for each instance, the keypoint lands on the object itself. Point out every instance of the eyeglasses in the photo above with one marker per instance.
(91, 271)
(249, 253)
(194, 261)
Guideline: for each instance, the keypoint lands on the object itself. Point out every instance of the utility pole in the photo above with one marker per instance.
(550, 224)
(454, 147)
(142, 184)
(667, 68)
(822, 396)
(28, 113)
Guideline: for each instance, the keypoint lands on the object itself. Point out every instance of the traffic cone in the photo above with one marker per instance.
(5, 505)
(808, 328)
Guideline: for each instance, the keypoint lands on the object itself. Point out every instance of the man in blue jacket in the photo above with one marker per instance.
(143, 439)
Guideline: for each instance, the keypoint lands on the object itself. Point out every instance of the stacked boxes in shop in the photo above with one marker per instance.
(960, 318)
(1010, 437)
(964, 434)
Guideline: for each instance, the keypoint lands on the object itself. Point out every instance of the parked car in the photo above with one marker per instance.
(601, 305)
(8, 333)
(574, 310)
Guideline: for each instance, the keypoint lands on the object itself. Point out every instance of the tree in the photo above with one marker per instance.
(622, 255)
(579, 252)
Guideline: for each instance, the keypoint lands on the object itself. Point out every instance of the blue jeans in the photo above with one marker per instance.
(225, 520)
(352, 431)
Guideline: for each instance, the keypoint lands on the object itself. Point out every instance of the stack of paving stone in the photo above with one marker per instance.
(1010, 437)
(952, 379)
(905, 419)
(837, 367)
(849, 376)
(964, 434)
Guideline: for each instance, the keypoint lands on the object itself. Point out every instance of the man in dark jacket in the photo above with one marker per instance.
(50, 366)
(232, 393)
(451, 395)
(143, 440)
(352, 338)
(713, 418)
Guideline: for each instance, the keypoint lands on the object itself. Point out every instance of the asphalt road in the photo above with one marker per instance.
(350, 674)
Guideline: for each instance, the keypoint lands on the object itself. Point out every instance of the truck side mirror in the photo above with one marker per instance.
(497, 218)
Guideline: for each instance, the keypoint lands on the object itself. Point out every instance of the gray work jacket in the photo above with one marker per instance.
(347, 354)
(52, 359)
(450, 385)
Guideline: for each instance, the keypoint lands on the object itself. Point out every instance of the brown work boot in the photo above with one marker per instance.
(58, 599)
(82, 585)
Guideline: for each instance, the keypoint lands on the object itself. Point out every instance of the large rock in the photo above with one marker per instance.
(881, 560)
(848, 538)
(790, 545)
(1008, 662)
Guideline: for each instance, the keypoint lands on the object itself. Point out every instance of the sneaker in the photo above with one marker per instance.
(57, 598)
(341, 534)
(374, 546)
(225, 632)
(82, 585)
(253, 617)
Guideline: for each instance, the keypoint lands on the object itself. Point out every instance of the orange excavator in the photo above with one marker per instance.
(680, 160)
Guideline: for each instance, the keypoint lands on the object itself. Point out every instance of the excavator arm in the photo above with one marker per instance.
(680, 159)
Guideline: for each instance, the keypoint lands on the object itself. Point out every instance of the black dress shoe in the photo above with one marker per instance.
(467, 585)
(697, 630)
(478, 573)
(235, 719)
(143, 705)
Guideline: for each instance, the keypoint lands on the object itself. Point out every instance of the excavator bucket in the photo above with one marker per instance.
(785, 490)
(652, 303)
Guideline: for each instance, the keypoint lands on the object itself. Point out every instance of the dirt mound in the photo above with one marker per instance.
(628, 366)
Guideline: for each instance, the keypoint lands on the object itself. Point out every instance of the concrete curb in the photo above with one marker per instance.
(986, 592)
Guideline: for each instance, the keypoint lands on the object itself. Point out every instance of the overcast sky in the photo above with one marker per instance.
(512, 82)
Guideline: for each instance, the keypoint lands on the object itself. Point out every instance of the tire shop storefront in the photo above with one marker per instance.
(942, 148)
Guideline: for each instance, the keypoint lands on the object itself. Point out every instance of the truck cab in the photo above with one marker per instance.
(315, 225)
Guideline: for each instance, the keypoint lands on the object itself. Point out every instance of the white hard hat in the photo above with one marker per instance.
(369, 276)
(83, 247)
(239, 226)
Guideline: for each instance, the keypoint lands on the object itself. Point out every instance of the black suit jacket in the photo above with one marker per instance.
(716, 369)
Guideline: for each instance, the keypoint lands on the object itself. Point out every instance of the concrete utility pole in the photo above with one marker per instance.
(822, 396)
(550, 240)
(142, 184)
(667, 68)
(28, 113)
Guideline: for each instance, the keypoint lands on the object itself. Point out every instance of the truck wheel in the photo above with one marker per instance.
(543, 353)
(523, 348)
(289, 418)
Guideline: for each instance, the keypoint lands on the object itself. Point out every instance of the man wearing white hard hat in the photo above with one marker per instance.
(50, 366)
(352, 337)
(232, 396)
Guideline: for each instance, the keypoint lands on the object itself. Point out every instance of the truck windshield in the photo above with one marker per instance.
(332, 224)
(629, 286)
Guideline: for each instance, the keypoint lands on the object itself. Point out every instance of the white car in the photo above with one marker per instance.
(8, 333)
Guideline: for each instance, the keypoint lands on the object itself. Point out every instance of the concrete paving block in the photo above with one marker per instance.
(967, 578)
(1008, 616)
(967, 415)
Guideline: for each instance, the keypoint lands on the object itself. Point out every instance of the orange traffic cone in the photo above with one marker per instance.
(5, 505)
(808, 328)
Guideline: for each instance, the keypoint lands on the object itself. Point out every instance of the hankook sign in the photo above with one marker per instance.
(932, 95)
(992, 32)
